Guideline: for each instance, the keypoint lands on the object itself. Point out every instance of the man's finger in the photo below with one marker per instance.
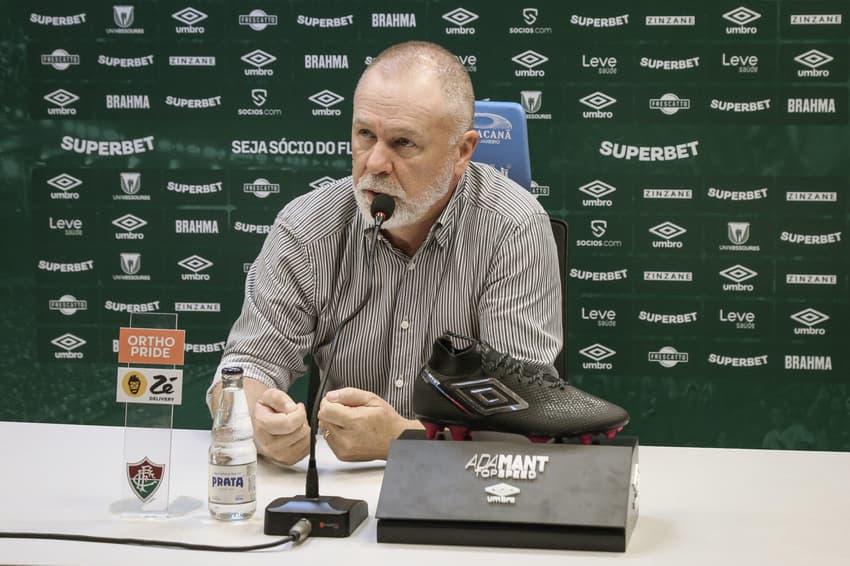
(274, 423)
(335, 414)
(277, 400)
(351, 397)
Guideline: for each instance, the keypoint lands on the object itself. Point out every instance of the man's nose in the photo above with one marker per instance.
(379, 161)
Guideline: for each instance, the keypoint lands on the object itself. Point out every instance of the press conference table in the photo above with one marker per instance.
(697, 506)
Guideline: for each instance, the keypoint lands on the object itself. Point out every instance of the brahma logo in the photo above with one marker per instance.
(597, 353)
(811, 106)
(741, 16)
(326, 99)
(460, 18)
(393, 20)
(190, 17)
(257, 20)
(529, 59)
(668, 357)
(261, 188)
(809, 318)
(492, 128)
(667, 231)
(195, 226)
(325, 61)
(597, 189)
(813, 59)
(258, 59)
(60, 59)
(598, 100)
(68, 342)
(808, 363)
(738, 274)
(128, 102)
(61, 98)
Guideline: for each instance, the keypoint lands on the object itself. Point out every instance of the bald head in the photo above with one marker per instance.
(429, 61)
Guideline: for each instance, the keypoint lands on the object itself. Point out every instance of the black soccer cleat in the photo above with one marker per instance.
(478, 388)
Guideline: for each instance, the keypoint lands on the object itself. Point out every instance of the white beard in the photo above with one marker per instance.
(407, 211)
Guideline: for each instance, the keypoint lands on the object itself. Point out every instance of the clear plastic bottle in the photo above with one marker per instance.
(232, 456)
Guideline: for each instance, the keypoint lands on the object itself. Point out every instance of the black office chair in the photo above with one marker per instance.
(560, 230)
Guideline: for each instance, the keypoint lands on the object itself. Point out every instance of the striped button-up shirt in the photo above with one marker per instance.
(487, 269)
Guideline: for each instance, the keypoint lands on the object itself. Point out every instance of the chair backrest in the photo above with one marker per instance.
(503, 139)
(560, 230)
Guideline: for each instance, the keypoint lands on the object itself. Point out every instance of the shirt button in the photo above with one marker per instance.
(399, 383)
(405, 325)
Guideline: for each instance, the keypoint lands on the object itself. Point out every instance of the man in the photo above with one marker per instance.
(466, 250)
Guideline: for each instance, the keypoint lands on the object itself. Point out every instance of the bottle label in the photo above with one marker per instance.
(233, 485)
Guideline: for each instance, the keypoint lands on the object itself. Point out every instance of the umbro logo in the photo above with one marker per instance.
(321, 182)
(61, 97)
(189, 16)
(598, 100)
(195, 263)
(738, 273)
(813, 58)
(460, 17)
(326, 98)
(68, 342)
(597, 189)
(741, 16)
(529, 59)
(129, 222)
(597, 352)
(64, 182)
(809, 317)
(667, 230)
(258, 58)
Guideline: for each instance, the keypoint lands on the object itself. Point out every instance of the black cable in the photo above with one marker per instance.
(299, 532)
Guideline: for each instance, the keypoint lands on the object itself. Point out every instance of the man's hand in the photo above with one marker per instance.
(359, 425)
(281, 431)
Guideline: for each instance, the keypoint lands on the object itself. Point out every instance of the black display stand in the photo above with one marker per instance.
(507, 493)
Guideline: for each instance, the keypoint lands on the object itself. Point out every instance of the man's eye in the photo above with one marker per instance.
(364, 133)
(404, 142)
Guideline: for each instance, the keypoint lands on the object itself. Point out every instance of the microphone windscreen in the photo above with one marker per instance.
(383, 204)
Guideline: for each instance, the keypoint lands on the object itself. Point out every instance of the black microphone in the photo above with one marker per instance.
(330, 516)
(382, 208)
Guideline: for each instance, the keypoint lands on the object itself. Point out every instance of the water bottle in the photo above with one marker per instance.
(232, 456)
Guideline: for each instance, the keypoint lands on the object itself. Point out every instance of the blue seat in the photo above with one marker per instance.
(503, 139)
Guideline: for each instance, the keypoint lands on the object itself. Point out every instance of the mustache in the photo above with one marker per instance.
(378, 184)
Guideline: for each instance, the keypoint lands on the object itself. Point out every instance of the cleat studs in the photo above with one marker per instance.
(611, 433)
(586, 438)
(431, 430)
(459, 433)
(539, 439)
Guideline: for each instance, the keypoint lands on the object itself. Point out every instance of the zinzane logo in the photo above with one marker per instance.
(507, 466)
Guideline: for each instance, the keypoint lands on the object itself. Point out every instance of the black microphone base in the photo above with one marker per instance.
(330, 516)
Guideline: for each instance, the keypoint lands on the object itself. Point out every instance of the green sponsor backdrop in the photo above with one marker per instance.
(698, 151)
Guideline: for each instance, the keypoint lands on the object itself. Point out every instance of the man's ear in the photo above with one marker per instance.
(466, 147)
